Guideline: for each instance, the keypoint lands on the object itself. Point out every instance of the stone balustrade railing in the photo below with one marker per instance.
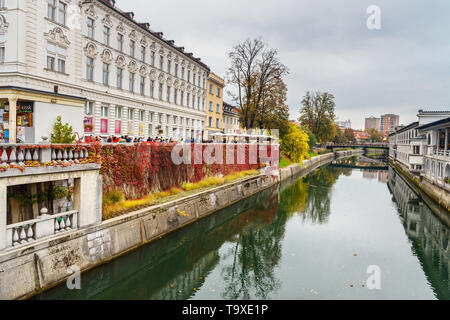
(43, 153)
(28, 231)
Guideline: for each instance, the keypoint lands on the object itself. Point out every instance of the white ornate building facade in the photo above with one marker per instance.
(423, 147)
(94, 65)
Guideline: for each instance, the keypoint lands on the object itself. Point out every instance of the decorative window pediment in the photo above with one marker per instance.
(120, 28)
(91, 12)
(161, 51)
(153, 46)
(161, 77)
(91, 50)
(169, 80)
(143, 71)
(57, 36)
(107, 20)
(153, 74)
(3, 24)
(144, 42)
(120, 61)
(169, 55)
(132, 66)
(106, 56)
(182, 85)
(133, 35)
(176, 83)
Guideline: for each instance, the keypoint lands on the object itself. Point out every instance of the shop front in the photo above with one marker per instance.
(24, 121)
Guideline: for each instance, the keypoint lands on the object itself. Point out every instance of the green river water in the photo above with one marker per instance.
(312, 237)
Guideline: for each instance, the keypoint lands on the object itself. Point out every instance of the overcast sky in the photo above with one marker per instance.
(326, 45)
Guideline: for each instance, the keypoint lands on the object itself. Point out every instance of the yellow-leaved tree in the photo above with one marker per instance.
(295, 144)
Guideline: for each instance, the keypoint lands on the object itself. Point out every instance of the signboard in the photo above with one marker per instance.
(118, 127)
(103, 125)
(88, 127)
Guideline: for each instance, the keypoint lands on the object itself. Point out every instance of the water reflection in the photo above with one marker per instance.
(428, 234)
(240, 252)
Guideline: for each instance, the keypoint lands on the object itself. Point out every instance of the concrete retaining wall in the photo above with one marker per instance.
(436, 193)
(30, 269)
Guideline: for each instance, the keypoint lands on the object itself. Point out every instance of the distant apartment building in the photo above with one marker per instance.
(230, 119)
(214, 100)
(347, 124)
(388, 122)
(372, 123)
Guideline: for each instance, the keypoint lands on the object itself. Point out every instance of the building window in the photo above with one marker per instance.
(416, 149)
(168, 94)
(193, 102)
(105, 74)
(119, 78)
(89, 69)
(152, 58)
(176, 69)
(104, 112)
(130, 114)
(218, 92)
(198, 102)
(106, 33)
(131, 82)
(160, 91)
(182, 98)
(210, 122)
(120, 42)
(141, 115)
(210, 89)
(132, 46)
(88, 108)
(2, 52)
(217, 123)
(62, 13)
(51, 10)
(203, 104)
(143, 53)
(198, 81)
(142, 85)
(160, 117)
(169, 66)
(182, 73)
(218, 108)
(175, 96)
(210, 106)
(189, 76)
(161, 62)
(56, 58)
(150, 117)
(118, 111)
(150, 129)
(187, 99)
(90, 27)
(152, 88)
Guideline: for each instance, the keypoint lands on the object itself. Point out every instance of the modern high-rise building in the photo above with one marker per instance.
(372, 123)
(347, 124)
(388, 122)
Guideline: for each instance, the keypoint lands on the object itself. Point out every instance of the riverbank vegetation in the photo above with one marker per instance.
(115, 203)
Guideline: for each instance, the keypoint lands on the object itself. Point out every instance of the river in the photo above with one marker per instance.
(337, 233)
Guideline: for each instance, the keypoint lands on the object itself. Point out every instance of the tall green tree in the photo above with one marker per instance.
(374, 135)
(62, 133)
(350, 135)
(317, 114)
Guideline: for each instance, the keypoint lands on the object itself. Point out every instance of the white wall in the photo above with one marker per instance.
(45, 115)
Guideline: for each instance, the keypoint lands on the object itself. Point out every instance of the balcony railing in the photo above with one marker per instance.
(442, 153)
(46, 225)
(42, 153)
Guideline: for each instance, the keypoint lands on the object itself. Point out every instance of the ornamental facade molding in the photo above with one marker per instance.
(106, 56)
(120, 61)
(176, 83)
(107, 21)
(91, 50)
(153, 46)
(169, 80)
(161, 77)
(143, 71)
(132, 66)
(144, 42)
(153, 74)
(91, 12)
(3, 24)
(133, 35)
(120, 28)
(57, 37)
